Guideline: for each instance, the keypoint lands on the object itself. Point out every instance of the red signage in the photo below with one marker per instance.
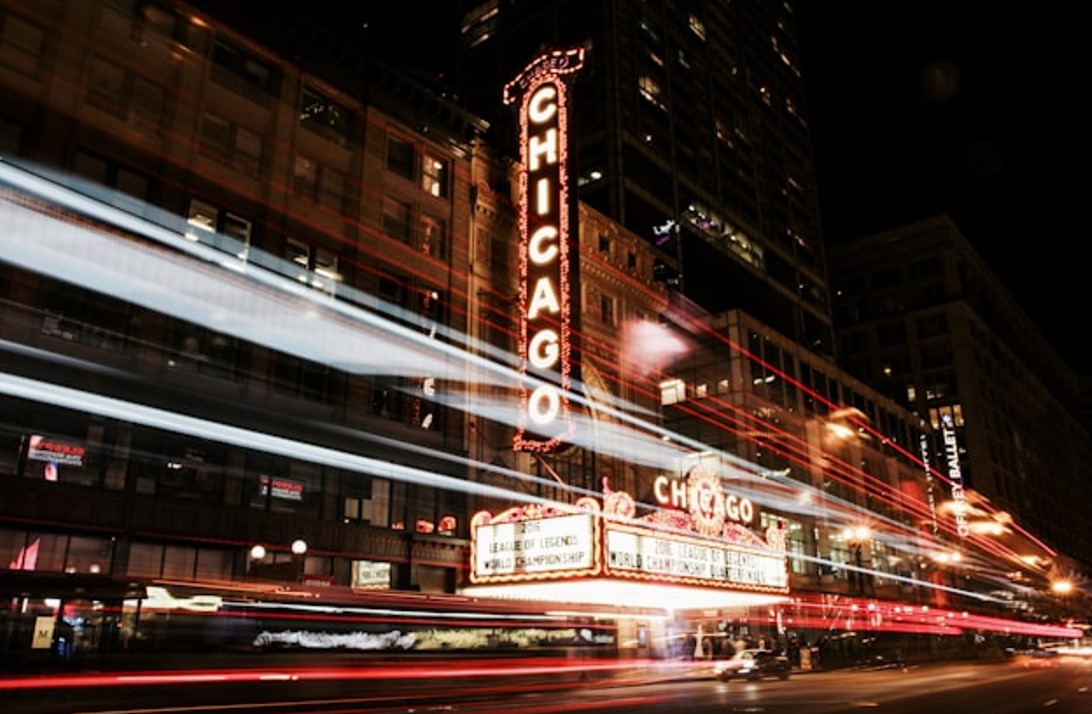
(545, 261)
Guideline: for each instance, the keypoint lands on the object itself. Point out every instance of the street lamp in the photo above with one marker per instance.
(299, 554)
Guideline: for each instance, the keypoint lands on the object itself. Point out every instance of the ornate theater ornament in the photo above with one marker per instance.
(546, 254)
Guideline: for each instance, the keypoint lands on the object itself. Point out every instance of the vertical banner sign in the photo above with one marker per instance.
(955, 474)
(545, 250)
(923, 446)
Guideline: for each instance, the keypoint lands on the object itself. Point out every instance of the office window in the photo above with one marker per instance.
(305, 177)
(129, 97)
(434, 176)
(107, 82)
(219, 228)
(891, 334)
(87, 318)
(672, 391)
(331, 188)
(431, 236)
(936, 357)
(606, 309)
(231, 144)
(400, 156)
(932, 325)
(317, 182)
(356, 493)
(191, 472)
(396, 219)
(132, 188)
(21, 45)
(237, 69)
(303, 378)
(697, 26)
(389, 398)
(954, 410)
(248, 151)
(650, 90)
(325, 116)
(316, 266)
(198, 349)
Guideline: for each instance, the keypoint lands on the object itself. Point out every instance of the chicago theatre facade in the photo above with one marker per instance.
(263, 333)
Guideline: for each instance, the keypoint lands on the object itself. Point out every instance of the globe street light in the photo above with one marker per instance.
(299, 554)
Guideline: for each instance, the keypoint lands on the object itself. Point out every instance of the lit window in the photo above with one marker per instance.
(324, 115)
(430, 236)
(672, 391)
(225, 231)
(650, 90)
(434, 176)
(697, 26)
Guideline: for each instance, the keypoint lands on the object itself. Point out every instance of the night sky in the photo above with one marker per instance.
(967, 108)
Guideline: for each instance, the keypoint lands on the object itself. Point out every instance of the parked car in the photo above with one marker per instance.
(753, 664)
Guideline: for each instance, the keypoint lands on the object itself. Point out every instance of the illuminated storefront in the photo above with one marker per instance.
(603, 553)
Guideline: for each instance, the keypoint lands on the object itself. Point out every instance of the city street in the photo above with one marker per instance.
(1009, 687)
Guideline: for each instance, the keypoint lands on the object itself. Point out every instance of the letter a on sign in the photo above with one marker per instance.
(546, 258)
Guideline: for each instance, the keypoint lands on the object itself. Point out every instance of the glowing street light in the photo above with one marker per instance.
(1062, 587)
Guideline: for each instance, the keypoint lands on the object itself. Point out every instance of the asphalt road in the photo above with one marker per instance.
(458, 687)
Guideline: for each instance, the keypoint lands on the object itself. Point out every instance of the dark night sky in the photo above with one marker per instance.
(918, 108)
(962, 107)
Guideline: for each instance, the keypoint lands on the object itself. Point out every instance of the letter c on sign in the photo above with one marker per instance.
(542, 108)
(539, 250)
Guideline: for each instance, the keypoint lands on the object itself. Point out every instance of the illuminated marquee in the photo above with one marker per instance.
(638, 554)
(702, 496)
(545, 254)
(526, 549)
(606, 541)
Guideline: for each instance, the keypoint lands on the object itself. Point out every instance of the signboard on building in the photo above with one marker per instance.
(634, 553)
(44, 448)
(607, 541)
(955, 474)
(547, 255)
(520, 549)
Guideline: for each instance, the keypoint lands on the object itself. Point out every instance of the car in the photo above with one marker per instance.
(753, 664)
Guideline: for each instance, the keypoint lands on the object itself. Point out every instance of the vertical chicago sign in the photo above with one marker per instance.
(546, 255)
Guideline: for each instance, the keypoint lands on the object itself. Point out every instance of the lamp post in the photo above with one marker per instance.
(299, 556)
(1063, 588)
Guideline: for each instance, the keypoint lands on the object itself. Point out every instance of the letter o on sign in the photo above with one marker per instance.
(544, 404)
